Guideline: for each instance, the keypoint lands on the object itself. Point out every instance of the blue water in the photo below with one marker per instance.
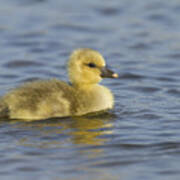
(140, 138)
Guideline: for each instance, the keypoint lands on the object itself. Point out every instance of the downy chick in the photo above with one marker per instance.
(53, 98)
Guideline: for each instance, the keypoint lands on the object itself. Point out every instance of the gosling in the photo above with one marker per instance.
(53, 98)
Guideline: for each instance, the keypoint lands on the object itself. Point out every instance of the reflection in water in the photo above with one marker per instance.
(87, 130)
(84, 130)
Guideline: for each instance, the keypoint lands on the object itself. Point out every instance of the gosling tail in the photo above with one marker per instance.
(4, 110)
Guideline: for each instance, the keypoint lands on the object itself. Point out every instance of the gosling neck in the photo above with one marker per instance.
(84, 86)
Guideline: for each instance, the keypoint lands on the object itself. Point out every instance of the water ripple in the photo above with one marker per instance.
(22, 64)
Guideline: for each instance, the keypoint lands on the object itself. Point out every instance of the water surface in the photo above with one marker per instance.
(140, 138)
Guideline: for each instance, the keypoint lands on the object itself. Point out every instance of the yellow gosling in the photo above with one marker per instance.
(53, 98)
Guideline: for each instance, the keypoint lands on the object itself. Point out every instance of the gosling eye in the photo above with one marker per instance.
(91, 65)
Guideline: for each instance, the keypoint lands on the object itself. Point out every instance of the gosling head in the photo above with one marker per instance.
(87, 66)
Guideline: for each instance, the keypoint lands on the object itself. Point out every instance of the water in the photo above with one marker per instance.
(140, 138)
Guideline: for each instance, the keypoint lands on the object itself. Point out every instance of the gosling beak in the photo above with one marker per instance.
(107, 73)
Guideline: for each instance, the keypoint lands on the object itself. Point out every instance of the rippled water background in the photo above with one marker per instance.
(140, 139)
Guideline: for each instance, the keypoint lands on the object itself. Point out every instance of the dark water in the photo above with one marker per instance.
(140, 139)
